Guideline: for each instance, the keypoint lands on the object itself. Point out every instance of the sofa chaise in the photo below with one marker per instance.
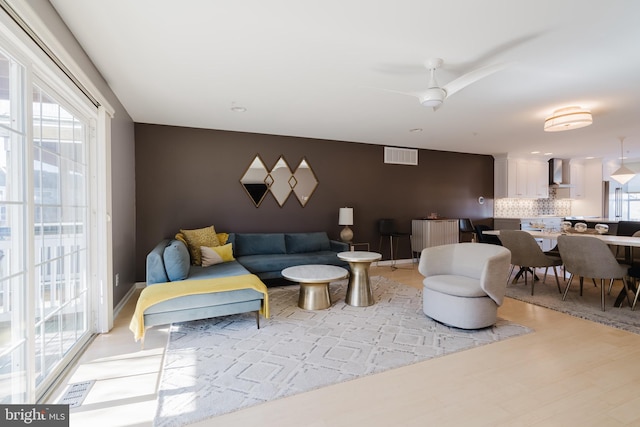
(178, 291)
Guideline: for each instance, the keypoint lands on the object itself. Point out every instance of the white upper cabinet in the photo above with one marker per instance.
(577, 180)
(539, 174)
(574, 177)
(521, 178)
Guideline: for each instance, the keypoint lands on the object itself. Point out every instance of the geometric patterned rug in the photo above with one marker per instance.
(587, 306)
(220, 365)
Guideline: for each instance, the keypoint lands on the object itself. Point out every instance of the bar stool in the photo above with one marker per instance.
(387, 228)
(466, 227)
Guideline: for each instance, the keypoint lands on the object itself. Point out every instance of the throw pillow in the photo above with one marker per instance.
(223, 238)
(180, 236)
(216, 254)
(197, 238)
(176, 260)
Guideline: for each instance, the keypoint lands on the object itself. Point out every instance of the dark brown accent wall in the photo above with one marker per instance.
(189, 178)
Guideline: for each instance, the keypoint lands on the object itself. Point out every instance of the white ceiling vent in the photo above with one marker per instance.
(401, 156)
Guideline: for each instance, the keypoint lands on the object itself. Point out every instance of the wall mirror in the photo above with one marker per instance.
(257, 181)
(280, 186)
(304, 182)
(254, 180)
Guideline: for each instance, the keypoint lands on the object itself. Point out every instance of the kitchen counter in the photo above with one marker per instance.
(530, 217)
(589, 219)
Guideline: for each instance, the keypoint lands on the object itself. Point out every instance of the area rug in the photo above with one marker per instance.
(220, 365)
(586, 306)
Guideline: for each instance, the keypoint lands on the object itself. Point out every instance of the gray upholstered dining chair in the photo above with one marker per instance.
(587, 256)
(526, 253)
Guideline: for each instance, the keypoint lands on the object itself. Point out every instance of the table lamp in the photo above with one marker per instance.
(346, 218)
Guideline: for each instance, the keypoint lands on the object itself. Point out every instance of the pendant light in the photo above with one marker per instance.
(623, 174)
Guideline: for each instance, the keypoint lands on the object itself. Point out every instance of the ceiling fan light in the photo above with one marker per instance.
(433, 97)
(568, 118)
(432, 102)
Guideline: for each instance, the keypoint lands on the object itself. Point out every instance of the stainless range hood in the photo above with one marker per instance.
(559, 174)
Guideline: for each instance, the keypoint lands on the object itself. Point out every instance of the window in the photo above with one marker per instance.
(633, 200)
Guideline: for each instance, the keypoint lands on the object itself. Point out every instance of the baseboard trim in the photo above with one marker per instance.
(126, 298)
(397, 261)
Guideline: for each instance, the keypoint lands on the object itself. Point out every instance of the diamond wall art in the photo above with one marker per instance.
(280, 181)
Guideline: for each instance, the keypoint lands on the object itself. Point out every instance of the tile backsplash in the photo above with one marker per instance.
(518, 208)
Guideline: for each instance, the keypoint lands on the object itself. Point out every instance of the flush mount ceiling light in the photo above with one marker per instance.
(623, 174)
(568, 118)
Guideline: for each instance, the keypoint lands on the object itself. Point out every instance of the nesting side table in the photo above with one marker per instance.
(359, 292)
(314, 283)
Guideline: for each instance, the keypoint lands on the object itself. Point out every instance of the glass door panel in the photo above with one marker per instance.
(14, 345)
(60, 224)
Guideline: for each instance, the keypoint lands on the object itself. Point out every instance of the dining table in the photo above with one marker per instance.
(610, 239)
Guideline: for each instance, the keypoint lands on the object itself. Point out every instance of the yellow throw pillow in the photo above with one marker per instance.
(180, 236)
(222, 238)
(197, 238)
(216, 254)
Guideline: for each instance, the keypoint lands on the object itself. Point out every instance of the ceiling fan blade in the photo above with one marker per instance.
(472, 77)
(414, 94)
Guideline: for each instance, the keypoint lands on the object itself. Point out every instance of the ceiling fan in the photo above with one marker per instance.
(435, 94)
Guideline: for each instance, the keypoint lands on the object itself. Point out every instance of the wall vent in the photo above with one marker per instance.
(401, 156)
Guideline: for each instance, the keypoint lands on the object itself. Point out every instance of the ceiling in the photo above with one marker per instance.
(326, 69)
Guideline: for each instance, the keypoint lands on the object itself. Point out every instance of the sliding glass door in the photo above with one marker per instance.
(45, 310)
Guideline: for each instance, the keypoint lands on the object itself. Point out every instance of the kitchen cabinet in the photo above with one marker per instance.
(521, 178)
(426, 233)
(575, 179)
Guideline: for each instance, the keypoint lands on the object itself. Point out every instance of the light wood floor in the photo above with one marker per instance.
(569, 372)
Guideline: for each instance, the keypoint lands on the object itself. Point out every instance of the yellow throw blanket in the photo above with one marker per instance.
(160, 292)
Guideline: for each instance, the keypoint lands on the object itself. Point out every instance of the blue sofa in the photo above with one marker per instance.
(262, 254)
(267, 254)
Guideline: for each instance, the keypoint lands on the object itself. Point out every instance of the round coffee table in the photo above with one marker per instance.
(359, 290)
(314, 282)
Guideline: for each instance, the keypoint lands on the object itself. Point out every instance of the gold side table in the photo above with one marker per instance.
(314, 283)
(359, 292)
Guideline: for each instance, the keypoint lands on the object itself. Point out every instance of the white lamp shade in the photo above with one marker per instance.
(346, 216)
(623, 175)
(567, 119)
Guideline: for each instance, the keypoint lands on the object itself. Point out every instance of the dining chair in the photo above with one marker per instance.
(626, 228)
(587, 256)
(527, 254)
(486, 238)
(634, 274)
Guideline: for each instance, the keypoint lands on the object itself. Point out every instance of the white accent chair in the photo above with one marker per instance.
(464, 283)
